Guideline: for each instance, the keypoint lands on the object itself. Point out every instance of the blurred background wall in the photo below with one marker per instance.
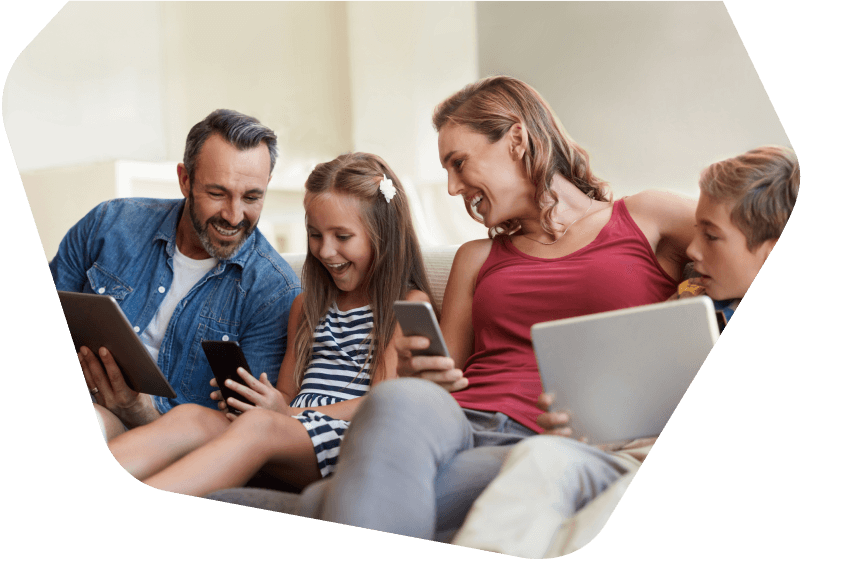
(99, 104)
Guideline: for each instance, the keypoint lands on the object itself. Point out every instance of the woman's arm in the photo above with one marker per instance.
(456, 316)
(455, 324)
(667, 221)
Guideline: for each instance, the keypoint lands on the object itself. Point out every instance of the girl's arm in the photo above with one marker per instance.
(286, 382)
(389, 370)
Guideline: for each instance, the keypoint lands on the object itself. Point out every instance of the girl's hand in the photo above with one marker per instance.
(438, 369)
(216, 395)
(261, 393)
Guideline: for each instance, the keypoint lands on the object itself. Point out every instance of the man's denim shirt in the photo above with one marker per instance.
(124, 248)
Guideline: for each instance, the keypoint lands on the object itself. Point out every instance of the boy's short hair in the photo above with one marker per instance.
(762, 187)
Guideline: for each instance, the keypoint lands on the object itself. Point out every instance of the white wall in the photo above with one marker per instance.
(654, 91)
(309, 70)
(89, 88)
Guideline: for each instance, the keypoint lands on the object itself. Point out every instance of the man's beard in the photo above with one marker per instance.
(220, 250)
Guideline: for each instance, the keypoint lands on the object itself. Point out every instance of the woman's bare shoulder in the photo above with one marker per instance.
(473, 253)
(654, 202)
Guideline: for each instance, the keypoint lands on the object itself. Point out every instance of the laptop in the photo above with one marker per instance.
(95, 321)
(621, 374)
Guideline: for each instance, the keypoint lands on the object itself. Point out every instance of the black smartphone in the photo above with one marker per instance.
(418, 319)
(224, 358)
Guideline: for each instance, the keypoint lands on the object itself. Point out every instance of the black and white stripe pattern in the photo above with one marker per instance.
(338, 371)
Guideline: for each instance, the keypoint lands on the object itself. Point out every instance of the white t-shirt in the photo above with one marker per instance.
(187, 272)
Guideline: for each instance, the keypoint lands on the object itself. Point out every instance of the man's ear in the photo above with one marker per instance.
(518, 138)
(183, 179)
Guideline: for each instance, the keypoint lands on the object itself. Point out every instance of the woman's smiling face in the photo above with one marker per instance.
(490, 177)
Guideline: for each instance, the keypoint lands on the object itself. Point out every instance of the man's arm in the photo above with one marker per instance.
(264, 334)
(104, 380)
(72, 260)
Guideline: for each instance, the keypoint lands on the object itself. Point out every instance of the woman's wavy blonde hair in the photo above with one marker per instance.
(397, 266)
(491, 107)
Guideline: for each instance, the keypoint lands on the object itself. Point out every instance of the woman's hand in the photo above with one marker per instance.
(261, 393)
(438, 369)
(552, 422)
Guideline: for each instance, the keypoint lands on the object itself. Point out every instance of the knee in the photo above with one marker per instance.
(197, 420)
(410, 395)
(260, 422)
(110, 425)
(584, 469)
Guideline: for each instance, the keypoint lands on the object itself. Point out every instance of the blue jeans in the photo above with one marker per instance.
(412, 463)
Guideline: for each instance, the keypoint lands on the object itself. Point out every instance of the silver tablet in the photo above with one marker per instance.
(621, 374)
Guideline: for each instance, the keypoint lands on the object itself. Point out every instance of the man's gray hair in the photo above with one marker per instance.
(241, 131)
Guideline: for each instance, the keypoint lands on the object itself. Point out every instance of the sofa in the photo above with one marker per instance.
(541, 531)
(547, 533)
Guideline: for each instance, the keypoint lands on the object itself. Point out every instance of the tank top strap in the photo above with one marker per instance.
(498, 254)
(621, 223)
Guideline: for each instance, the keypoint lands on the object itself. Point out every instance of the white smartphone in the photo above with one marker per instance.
(418, 319)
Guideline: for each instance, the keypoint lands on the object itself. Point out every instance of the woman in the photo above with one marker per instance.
(416, 456)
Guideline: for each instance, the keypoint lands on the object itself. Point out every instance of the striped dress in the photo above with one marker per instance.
(337, 372)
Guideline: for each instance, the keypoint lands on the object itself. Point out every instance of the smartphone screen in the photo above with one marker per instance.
(224, 358)
(418, 319)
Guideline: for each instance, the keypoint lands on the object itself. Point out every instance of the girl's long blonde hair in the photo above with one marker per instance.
(397, 266)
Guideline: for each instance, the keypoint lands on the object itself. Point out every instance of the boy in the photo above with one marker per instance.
(743, 206)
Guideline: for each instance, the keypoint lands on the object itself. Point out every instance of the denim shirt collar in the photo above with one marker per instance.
(168, 233)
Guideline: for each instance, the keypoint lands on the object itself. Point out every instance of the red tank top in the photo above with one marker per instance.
(513, 291)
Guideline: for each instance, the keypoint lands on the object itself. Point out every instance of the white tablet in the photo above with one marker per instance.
(621, 374)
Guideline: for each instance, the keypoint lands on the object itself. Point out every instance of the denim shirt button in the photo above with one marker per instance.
(100, 290)
(225, 338)
(161, 290)
(136, 329)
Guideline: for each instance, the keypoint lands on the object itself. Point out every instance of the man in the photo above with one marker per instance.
(186, 270)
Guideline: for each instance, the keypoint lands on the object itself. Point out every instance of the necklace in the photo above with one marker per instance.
(565, 230)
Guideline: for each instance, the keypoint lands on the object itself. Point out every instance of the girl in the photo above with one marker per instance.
(360, 236)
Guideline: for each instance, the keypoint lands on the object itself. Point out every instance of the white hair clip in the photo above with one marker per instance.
(388, 189)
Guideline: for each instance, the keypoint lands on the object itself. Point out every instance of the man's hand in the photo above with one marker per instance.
(438, 369)
(106, 383)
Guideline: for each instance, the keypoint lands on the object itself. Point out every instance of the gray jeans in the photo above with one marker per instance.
(412, 463)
